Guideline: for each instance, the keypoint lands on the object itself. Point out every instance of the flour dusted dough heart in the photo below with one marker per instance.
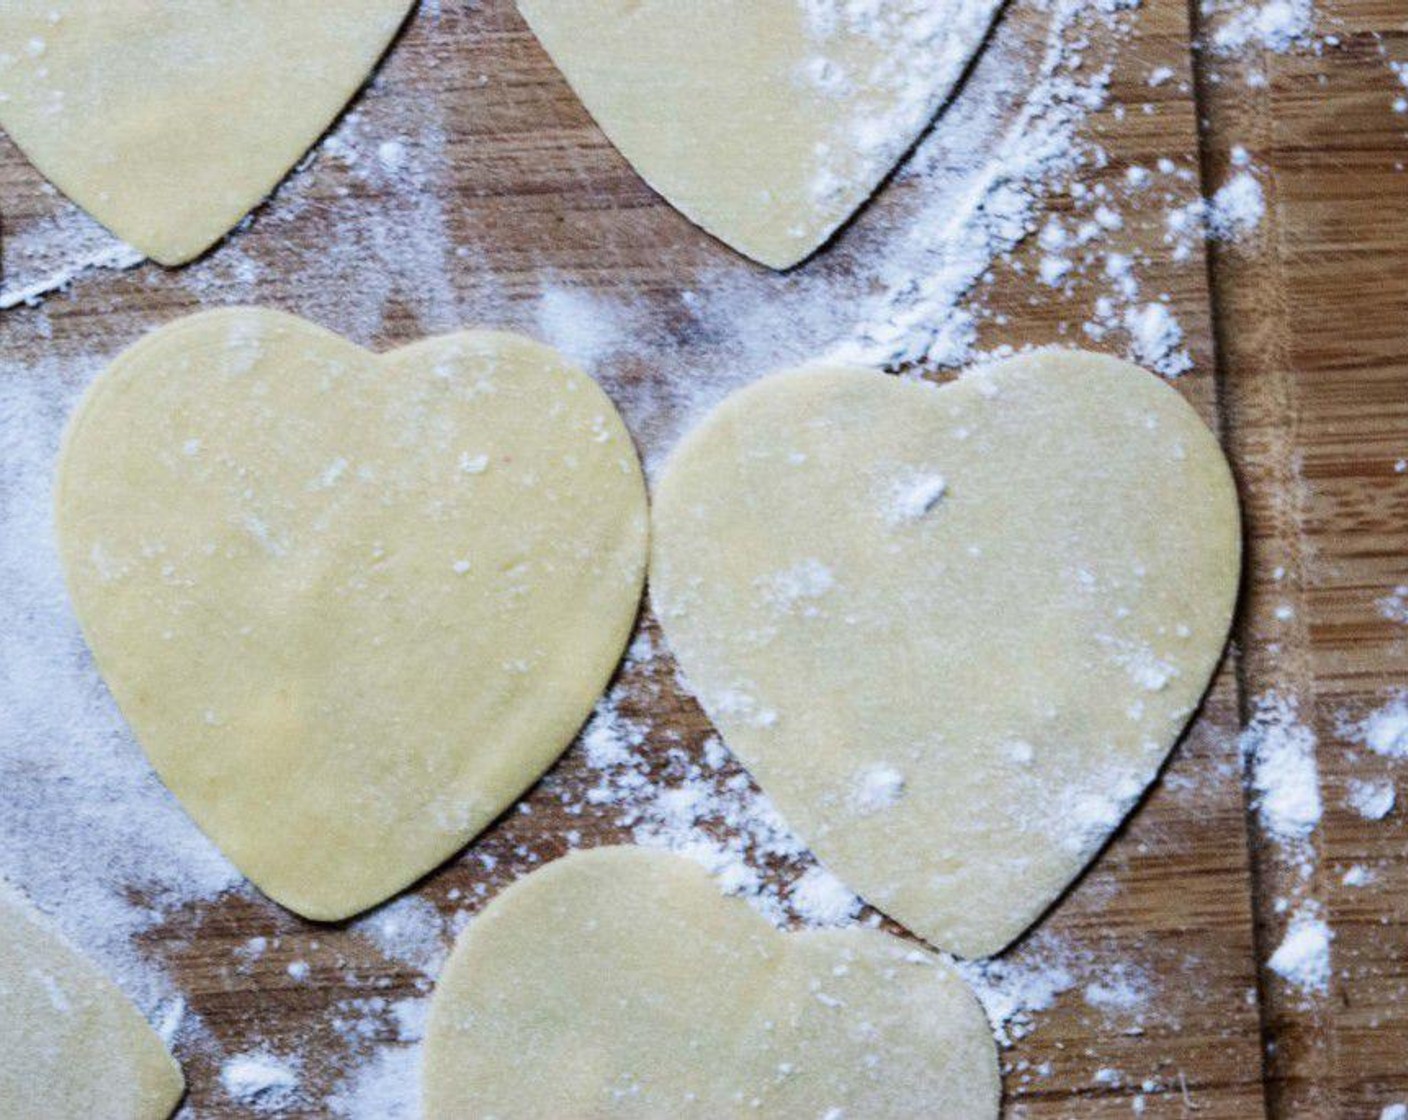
(621, 983)
(767, 122)
(71, 1045)
(168, 120)
(954, 631)
(351, 605)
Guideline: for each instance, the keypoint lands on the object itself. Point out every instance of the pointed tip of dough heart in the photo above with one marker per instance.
(137, 126)
(766, 124)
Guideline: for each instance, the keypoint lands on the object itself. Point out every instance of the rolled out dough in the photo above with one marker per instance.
(168, 120)
(71, 1045)
(952, 631)
(767, 122)
(352, 605)
(621, 983)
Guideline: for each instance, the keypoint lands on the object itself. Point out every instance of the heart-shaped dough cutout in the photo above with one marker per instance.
(620, 982)
(352, 605)
(766, 122)
(953, 632)
(71, 1045)
(169, 120)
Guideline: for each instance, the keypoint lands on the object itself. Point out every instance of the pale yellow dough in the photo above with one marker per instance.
(767, 122)
(621, 983)
(168, 120)
(351, 605)
(71, 1045)
(953, 632)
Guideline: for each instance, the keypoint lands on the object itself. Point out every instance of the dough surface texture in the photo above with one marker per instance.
(766, 122)
(169, 120)
(351, 605)
(620, 982)
(72, 1046)
(952, 631)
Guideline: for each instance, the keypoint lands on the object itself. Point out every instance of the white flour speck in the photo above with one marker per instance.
(821, 899)
(260, 1082)
(1157, 339)
(1277, 25)
(1371, 800)
(1237, 208)
(877, 788)
(1357, 876)
(1394, 606)
(1303, 957)
(1384, 731)
(1280, 751)
(410, 930)
(915, 496)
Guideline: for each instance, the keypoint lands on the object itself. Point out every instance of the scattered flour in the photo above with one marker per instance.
(796, 587)
(385, 1084)
(260, 1082)
(409, 930)
(1237, 208)
(1016, 987)
(1014, 992)
(1303, 957)
(110, 255)
(1384, 731)
(1277, 25)
(702, 806)
(878, 788)
(1157, 339)
(386, 1087)
(86, 829)
(1357, 876)
(821, 899)
(1122, 987)
(587, 329)
(916, 496)
(1371, 800)
(1394, 606)
(1280, 752)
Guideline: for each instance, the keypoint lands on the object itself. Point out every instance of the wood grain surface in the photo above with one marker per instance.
(1311, 330)
(1301, 370)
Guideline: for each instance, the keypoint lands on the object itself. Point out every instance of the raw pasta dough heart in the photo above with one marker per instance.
(954, 631)
(168, 120)
(351, 605)
(621, 983)
(767, 122)
(71, 1045)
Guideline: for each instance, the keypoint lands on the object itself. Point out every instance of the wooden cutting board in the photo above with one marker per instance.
(520, 191)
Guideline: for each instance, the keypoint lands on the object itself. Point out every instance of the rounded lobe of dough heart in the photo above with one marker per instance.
(71, 1045)
(766, 122)
(169, 120)
(620, 982)
(952, 631)
(351, 605)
